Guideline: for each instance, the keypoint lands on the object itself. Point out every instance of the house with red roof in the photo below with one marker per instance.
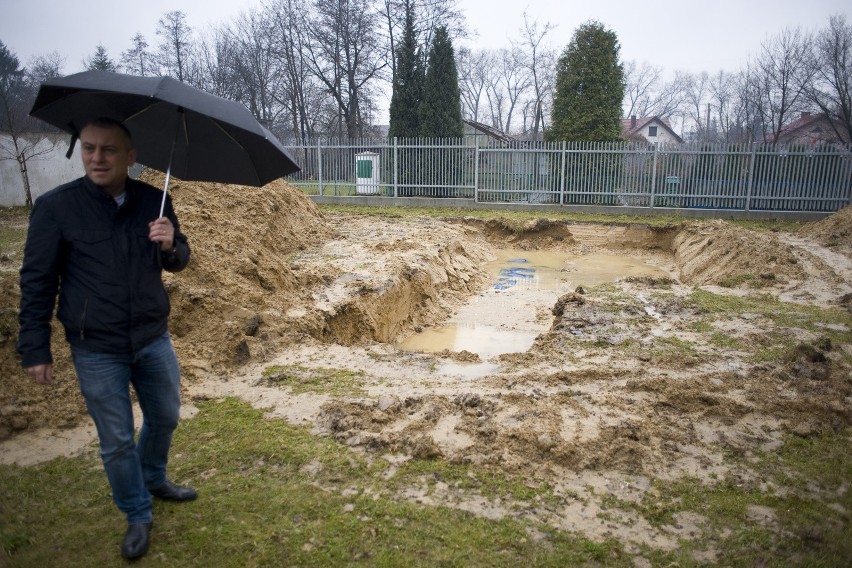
(810, 129)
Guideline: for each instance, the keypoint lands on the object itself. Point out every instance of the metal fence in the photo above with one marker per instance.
(737, 177)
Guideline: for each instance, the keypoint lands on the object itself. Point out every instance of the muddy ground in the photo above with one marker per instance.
(624, 383)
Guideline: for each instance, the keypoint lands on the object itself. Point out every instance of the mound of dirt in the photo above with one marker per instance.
(529, 235)
(230, 304)
(834, 232)
(721, 253)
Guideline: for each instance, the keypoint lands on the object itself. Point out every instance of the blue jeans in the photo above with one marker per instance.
(105, 379)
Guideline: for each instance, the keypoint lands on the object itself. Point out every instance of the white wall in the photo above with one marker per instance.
(45, 172)
(663, 135)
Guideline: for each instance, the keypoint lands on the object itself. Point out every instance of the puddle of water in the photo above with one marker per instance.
(504, 319)
(596, 269)
(484, 340)
(530, 270)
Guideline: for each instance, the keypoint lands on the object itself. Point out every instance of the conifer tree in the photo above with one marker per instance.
(407, 84)
(589, 87)
(440, 109)
(100, 61)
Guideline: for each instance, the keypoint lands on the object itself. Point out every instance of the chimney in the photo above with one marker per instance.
(633, 122)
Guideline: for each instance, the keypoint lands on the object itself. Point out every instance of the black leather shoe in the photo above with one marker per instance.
(171, 492)
(135, 543)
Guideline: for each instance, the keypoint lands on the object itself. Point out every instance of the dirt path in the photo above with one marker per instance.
(621, 382)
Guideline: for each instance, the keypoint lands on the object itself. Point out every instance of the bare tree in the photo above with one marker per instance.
(303, 94)
(495, 95)
(727, 107)
(778, 79)
(514, 83)
(696, 93)
(345, 54)
(539, 60)
(256, 64)
(175, 46)
(474, 67)
(42, 68)
(17, 91)
(648, 94)
(428, 16)
(832, 88)
(215, 56)
(138, 60)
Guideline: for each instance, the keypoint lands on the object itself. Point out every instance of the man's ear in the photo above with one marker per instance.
(131, 157)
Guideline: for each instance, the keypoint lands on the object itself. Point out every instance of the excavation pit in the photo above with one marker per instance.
(513, 309)
(734, 339)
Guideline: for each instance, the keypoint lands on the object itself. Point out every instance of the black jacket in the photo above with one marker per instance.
(99, 260)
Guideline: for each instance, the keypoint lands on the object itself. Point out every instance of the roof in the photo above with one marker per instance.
(808, 128)
(490, 131)
(632, 127)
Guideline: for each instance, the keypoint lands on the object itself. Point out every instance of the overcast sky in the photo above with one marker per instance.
(673, 34)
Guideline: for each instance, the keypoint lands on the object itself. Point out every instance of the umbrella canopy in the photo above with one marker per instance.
(176, 128)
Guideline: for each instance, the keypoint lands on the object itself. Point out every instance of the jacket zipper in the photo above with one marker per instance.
(83, 320)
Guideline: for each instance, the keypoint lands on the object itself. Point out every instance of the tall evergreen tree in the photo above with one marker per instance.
(589, 87)
(407, 84)
(100, 61)
(11, 89)
(440, 109)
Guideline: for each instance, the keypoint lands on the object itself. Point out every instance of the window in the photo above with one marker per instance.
(652, 131)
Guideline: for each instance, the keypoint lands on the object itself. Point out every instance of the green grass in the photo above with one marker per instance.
(13, 229)
(275, 495)
(508, 214)
(803, 530)
(259, 506)
(833, 326)
(655, 220)
(300, 379)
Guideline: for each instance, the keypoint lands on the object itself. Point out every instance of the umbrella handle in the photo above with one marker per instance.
(166, 188)
(169, 169)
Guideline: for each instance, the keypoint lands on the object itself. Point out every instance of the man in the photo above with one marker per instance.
(99, 244)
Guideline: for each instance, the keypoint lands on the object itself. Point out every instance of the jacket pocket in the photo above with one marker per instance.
(148, 251)
(92, 247)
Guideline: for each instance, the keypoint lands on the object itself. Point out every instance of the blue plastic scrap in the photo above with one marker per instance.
(517, 272)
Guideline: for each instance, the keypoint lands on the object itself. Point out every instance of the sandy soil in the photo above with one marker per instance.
(595, 406)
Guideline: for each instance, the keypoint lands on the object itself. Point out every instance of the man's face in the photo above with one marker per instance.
(106, 156)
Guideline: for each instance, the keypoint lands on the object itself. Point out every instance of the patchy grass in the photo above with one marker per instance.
(13, 230)
(270, 495)
(505, 214)
(273, 494)
(675, 350)
(655, 220)
(336, 382)
(833, 326)
(745, 524)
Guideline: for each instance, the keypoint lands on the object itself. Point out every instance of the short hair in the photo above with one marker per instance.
(107, 122)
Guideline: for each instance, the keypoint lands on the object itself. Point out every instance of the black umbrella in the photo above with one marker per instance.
(176, 128)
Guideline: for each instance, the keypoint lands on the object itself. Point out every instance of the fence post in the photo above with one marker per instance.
(475, 170)
(562, 173)
(319, 166)
(751, 176)
(395, 168)
(654, 178)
